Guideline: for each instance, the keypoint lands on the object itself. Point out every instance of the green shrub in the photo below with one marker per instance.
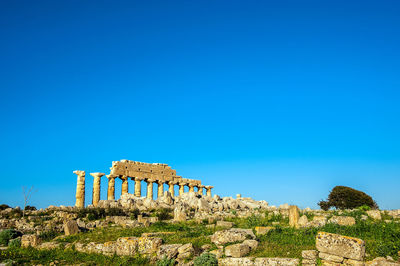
(4, 206)
(30, 208)
(14, 243)
(207, 259)
(164, 214)
(364, 208)
(253, 221)
(134, 214)
(7, 235)
(342, 197)
(166, 262)
(48, 235)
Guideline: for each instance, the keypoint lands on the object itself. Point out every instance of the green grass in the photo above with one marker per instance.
(184, 233)
(381, 239)
(21, 256)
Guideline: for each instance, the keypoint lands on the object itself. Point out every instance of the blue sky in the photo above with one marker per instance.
(277, 100)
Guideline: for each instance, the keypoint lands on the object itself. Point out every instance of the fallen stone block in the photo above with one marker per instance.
(253, 244)
(330, 257)
(71, 227)
(224, 224)
(232, 235)
(276, 261)
(237, 250)
(343, 220)
(262, 230)
(31, 240)
(343, 246)
(235, 262)
(168, 251)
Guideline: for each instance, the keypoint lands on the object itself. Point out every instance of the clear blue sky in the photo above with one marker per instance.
(277, 100)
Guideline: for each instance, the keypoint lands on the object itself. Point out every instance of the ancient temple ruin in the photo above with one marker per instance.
(137, 171)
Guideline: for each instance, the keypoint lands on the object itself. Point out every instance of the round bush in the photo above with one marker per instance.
(207, 259)
(7, 235)
(342, 197)
(14, 243)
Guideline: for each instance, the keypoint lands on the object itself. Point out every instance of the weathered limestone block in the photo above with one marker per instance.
(218, 252)
(231, 235)
(185, 251)
(276, 261)
(80, 189)
(167, 198)
(310, 255)
(306, 262)
(303, 220)
(381, 262)
(128, 246)
(168, 251)
(253, 244)
(262, 230)
(237, 250)
(330, 263)
(31, 240)
(317, 221)
(180, 212)
(330, 257)
(294, 216)
(343, 220)
(343, 246)
(225, 224)
(71, 227)
(235, 262)
(351, 262)
(374, 214)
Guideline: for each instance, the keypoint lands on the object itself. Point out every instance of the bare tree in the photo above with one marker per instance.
(27, 196)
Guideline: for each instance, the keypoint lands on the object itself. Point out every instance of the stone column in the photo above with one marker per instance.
(80, 189)
(138, 187)
(171, 188)
(149, 188)
(208, 188)
(182, 188)
(191, 188)
(124, 187)
(96, 187)
(160, 190)
(111, 187)
(200, 189)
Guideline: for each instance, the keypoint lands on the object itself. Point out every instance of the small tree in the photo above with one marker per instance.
(342, 197)
(27, 196)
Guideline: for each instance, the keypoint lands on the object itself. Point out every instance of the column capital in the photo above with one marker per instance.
(149, 180)
(111, 176)
(97, 174)
(123, 177)
(137, 178)
(208, 187)
(79, 172)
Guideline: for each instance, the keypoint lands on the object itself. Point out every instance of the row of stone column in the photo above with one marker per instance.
(80, 189)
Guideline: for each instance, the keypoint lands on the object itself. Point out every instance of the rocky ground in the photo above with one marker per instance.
(195, 229)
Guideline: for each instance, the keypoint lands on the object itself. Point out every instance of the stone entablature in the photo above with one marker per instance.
(137, 171)
(154, 171)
